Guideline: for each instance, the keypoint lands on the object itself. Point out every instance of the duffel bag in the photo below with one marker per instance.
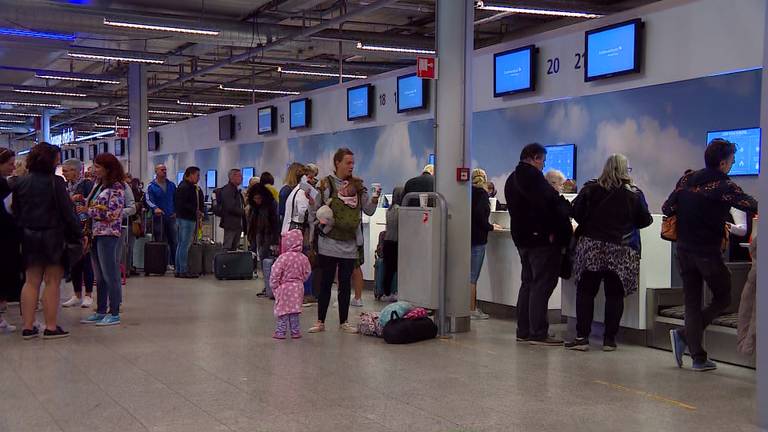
(404, 331)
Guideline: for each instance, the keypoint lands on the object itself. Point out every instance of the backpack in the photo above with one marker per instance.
(346, 219)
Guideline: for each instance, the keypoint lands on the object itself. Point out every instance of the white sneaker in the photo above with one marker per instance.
(356, 302)
(74, 301)
(477, 314)
(87, 301)
(348, 328)
(172, 269)
(5, 327)
(389, 299)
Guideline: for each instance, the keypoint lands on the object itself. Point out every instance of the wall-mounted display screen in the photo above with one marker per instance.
(747, 161)
(613, 50)
(119, 145)
(210, 179)
(300, 113)
(81, 154)
(153, 140)
(514, 71)
(92, 150)
(267, 119)
(359, 102)
(562, 157)
(248, 174)
(103, 147)
(179, 177)
(411, 93)
(226, 127)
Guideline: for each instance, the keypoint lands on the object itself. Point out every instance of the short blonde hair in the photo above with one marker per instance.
(479, 177)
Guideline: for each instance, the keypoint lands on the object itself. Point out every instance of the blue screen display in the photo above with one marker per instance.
(298, 113)
(563, 159)
(210, 179)
(747, 161)
(248, 174)
(432, 159)
(512, 71)
(611, 51)
(265, 120)
(357, 102)
(410, 93)
(179, 177)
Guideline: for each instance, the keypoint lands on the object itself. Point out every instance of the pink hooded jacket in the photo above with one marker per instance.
(289, 272)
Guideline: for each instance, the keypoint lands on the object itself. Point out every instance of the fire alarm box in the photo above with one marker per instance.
(462, 174)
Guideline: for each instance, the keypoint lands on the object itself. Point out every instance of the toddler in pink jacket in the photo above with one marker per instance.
(289, 273)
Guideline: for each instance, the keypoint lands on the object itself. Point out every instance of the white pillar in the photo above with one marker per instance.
(137, 109)
(453, 119)
(762, 255)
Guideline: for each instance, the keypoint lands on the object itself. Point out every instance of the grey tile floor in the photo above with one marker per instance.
(198, 356)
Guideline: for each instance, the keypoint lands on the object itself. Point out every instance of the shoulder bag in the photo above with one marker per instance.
(73, 250)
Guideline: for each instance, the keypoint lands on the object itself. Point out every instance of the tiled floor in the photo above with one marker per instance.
(198, 356)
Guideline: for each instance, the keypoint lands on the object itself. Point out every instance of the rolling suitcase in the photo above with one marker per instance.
(195, 259)
(233, 266)
(210, 250)
(156, 254)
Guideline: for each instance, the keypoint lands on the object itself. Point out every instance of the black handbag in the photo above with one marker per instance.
(404, 331)
(73, 250)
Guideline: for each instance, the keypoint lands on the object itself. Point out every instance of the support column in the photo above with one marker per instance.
(762, 255)
(453, 119)
(137, 109)
(44, 134)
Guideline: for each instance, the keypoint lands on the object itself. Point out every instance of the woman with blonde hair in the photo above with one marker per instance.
(610, 212)
(292, 178)
(481, 226)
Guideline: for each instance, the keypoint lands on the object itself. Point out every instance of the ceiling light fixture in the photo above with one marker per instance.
(373, 47)
(18, 114)
(153, 121)
(111, 126)
(320, 74)
(36, 34)
(49, 92)
(157, 27)
(117, 57)
(209, 104)
(33, 104)
(6, 128)
(530, 11)
(13, 121)
(180, 113)
(250, 90)
(73, 77)
(96, 135)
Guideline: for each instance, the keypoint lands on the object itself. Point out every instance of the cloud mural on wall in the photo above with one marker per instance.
(569, 121)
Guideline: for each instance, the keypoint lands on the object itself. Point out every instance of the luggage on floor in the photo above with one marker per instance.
(402, 308)
(195, 259)
(369, 324)
(236, 265)
(138, 253)
(266, 268)
(378, 287)
(404, 330)
(210, 250)
(156, 253)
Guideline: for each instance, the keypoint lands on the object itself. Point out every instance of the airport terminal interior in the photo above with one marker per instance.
(383, 215)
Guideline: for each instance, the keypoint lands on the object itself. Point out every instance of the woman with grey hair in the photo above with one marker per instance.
(81, 272)
(555, 178)
(610, 212)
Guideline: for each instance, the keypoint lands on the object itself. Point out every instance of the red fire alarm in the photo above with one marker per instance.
(462, 175)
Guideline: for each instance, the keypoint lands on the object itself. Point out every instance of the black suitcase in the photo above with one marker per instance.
(233, 266)
(195, 259)
(156, 254)
(210, 250)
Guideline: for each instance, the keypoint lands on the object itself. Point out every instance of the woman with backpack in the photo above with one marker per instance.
(338, 233)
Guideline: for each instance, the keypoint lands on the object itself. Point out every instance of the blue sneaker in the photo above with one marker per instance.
(109, 320)
(678, 346)
(93, 319)
(706, 365)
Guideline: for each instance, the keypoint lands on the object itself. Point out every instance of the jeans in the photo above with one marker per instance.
(164, 228)
(587, 289)
(328, 266)
(82, 273)
(105, 257)
(696, 269)
(186, 229)
(232, 239)
(540, 273)
(476, 263)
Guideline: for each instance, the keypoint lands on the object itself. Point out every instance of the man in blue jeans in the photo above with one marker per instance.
(189, 203)
(161, 194)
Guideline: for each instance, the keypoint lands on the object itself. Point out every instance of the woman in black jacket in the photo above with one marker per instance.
(10, 244)
(610, 212)
(263, 225)
(481, 213)
(45, 213)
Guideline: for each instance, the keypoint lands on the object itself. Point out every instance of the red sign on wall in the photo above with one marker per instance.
(122, 133)
(426, 67)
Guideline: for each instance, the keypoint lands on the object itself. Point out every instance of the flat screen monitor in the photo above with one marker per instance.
(103, 147)
(81, 154)
(267, 120)
(514, 71)
(359, 102)
(119, 145)
(411, 93)
(747, 161)
(431, 159)
(613, 50)
(210, 179)
(179, 177)
(300, 113)
(562, 157)
(248, 174)
(226, 127)
(153, 140)
(92, 151)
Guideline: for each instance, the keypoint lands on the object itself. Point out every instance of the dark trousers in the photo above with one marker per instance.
(390, 265)
(540, 273)
(164, 228)
(695, 270)
(587, 289)
(82, 273)
(328, 266)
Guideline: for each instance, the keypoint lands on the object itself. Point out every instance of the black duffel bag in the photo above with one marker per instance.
(404, 331)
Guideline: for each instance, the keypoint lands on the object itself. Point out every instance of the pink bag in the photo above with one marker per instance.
(416, 313)
(369, 324)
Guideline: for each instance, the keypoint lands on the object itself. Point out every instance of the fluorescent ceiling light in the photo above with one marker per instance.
(35, 34)
(180, 113)
(34, 104)
(6, 128)
(250, 90)
(150, 120)
(23, 152)
(373, 47)
(98, 125)
(13, 121)
(96, 135)
(320, 74)
(18, 114)
(531, 11)
(62, 76)
(117, 57)
(49, 92)
(209, 104)
(156, 27)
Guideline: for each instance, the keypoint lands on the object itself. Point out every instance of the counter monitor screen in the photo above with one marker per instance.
(210, 179)
(514, 71)
(267, 120)
(153, 140)
(359, 102)
(747, 142)
(300, 113)
(411, 93)
(92, 150)
(248, 174)
(613, 50)
(103, 147)
(226, 127)
(119, 147)
(562, 158)
(81, 154)
(179, 177)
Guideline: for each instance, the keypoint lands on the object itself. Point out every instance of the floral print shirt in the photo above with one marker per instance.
(106, 210)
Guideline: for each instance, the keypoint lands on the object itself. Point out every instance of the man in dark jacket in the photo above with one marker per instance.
(538, 215)
(423, 183)
(702, 201)
(189, 202)
(232, 210)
